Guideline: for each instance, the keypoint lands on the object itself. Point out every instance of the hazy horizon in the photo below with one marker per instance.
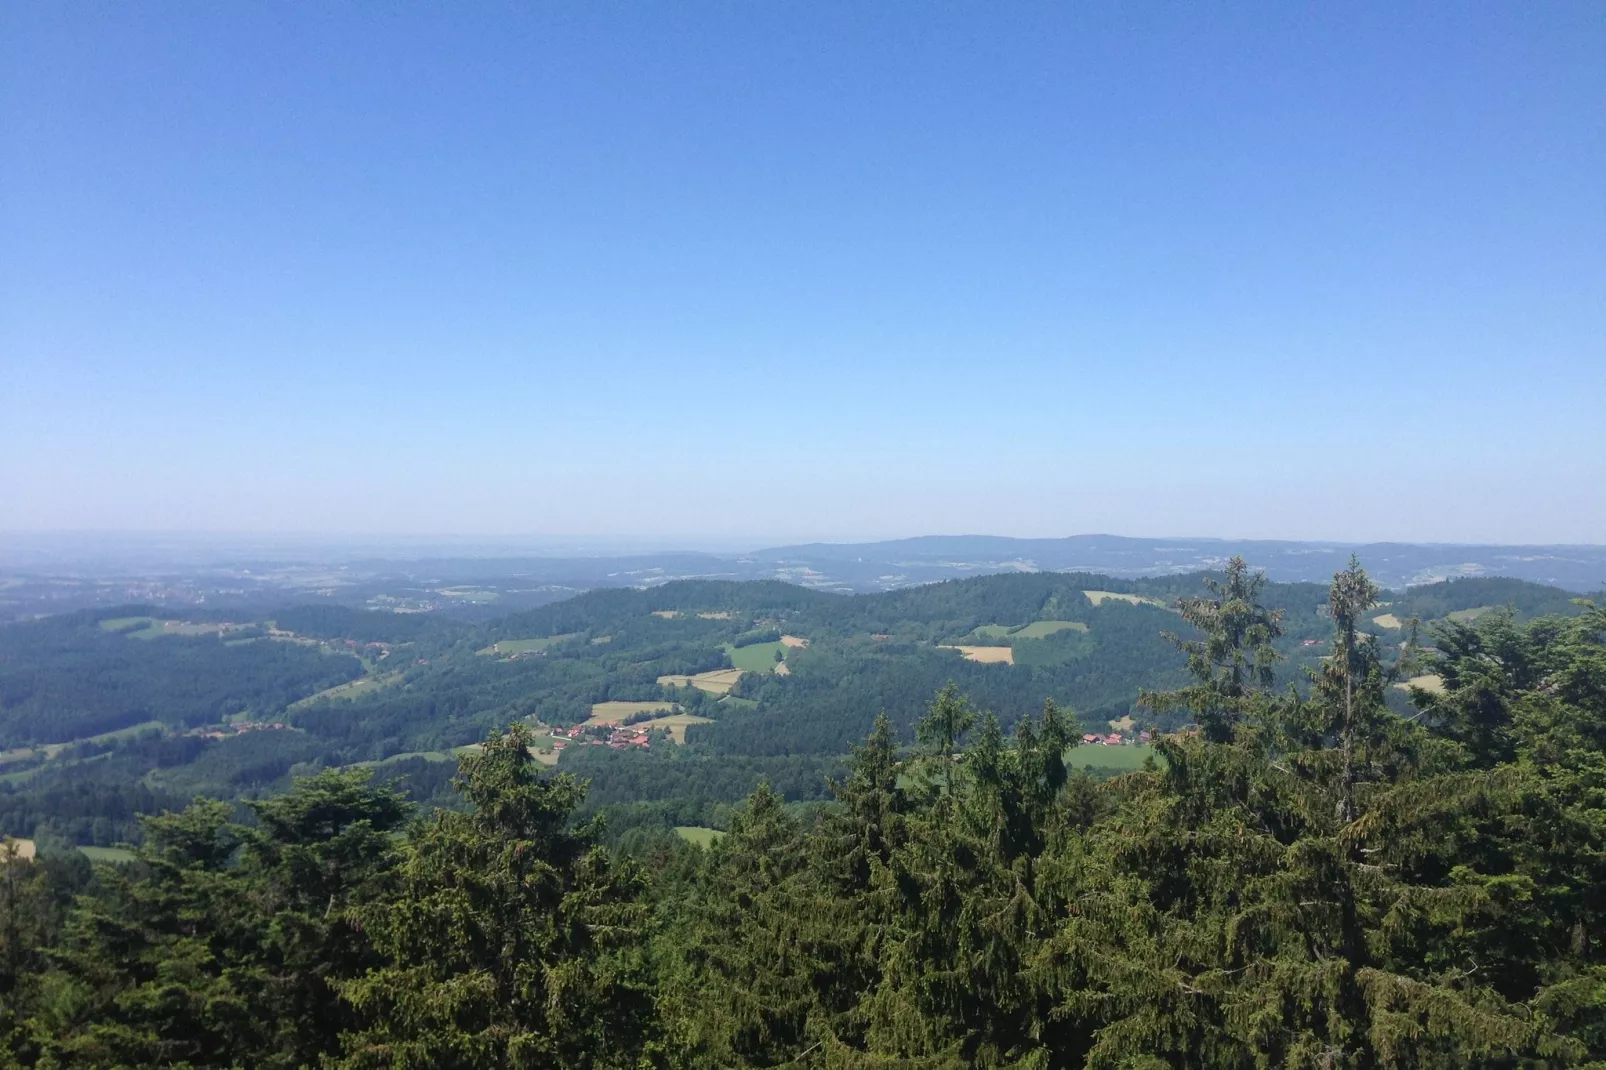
(1315, 274)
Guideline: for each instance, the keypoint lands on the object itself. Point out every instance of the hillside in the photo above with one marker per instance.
(726, 682)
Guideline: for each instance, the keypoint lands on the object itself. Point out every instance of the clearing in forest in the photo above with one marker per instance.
(604, 712)
(1388, 620)
(1464, 616)
(1427, 682)
(988, 655)
(721, 615)
(526, 646)
(794, 641)
(1097, 597)
(755, 657)
(676, 723)
(666, 614)
(716, 682)
(1042, 629)
(702, 837)
(1098, 756)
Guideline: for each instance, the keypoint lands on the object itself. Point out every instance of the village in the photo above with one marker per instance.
(604, 734)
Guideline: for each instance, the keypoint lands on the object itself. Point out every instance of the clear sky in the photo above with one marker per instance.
(1328, 271)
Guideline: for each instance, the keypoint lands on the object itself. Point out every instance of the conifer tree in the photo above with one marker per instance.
(1232, 659)
(511, 939)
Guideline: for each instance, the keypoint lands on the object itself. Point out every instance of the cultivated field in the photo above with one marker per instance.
(794, 641)
(1427, 682)
(1042, 629)
(702, 837)
(677, 724)
(604, 712)
(991, 655)
(350, 690)
(1097, 756)
(1388, 620)
(108, 854)
(1098, 597)
(716, 682)
(757, 657)
(527, 646)
(154, 628)
(1462, 616)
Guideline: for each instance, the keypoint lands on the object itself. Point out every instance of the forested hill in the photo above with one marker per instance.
(762, 679)
(1302, 880)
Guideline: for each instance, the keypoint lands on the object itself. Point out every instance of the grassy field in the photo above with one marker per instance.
(1427, 682)
(716, 682)
(756, 657)
(1388, 620)
(677, 723)
(739, 703)
(154, 629)
(527, 646)
(794, 641)
(666, 614)
(1042, 629)
(1097, 597)
(1037, 629)
(351, 689)
(1095, 756)
(702, 837)
(987, 655)
(108, 854)
(603, 712)
(1462, 616)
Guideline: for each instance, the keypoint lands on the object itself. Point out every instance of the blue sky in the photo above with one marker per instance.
(805, 270)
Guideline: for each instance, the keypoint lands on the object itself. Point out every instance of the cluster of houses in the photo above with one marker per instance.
(238, 728)
(1115, 739)
(606, 734)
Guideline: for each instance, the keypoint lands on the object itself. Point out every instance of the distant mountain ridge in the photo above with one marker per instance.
(1395, 565)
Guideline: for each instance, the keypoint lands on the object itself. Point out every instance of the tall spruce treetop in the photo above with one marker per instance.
(1232, 659)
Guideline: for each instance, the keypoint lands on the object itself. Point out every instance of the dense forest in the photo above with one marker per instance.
(1299, 877)
(104, 712)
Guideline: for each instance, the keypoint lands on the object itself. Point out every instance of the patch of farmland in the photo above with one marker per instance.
(1464, 616)
(987, 655)
(616, 712)
(722, 615)
(1042, 629)
(1427, 682)
(154, 628)
(702, 837)
(1099, 597)
(114, 855)
(508, 647)
(350, 689)
(1388, 620)
(794, 641)
(677, 723)
(755, 657)
(469, 594)
(716, 682)
(1125, 759)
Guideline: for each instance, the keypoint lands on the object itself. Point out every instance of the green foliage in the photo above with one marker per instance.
(1313, 880)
